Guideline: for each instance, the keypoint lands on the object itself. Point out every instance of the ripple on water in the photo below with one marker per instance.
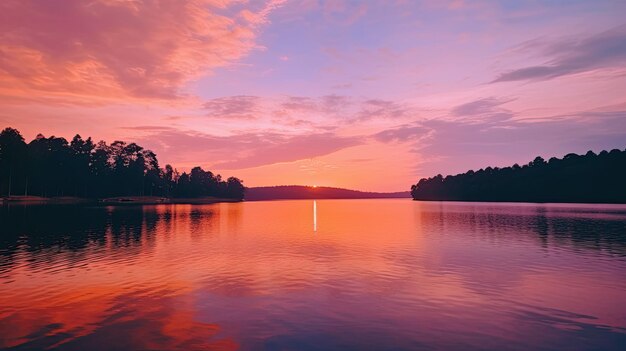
(374, 274)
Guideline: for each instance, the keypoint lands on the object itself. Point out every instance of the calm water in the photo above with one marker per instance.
(299, 275)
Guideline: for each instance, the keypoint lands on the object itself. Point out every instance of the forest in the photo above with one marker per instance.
(52, 167)
(588, 178)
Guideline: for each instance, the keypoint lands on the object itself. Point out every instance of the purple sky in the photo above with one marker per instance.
(371, 95)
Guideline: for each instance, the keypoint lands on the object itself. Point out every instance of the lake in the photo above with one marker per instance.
(314, 275)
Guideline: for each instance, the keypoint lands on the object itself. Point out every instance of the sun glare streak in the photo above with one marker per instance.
(314, 215)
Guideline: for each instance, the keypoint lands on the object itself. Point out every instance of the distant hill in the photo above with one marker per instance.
(284, 192)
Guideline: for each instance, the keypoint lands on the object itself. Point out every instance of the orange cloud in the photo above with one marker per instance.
(118, 49)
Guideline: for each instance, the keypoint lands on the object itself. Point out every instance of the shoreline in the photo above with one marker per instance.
(111, 201)
(525, 202)
(156, 200)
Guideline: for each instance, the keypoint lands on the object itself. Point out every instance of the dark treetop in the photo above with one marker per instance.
(55, 167)
(588, 178)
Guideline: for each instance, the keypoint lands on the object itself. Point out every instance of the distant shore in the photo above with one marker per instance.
(118, 200)
(302, 192)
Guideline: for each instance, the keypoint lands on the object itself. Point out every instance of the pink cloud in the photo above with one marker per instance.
(238, 107)
(261, 17)
(383, 109)
(105, 48)
(327, 103)
(602, 50)
(244, 150)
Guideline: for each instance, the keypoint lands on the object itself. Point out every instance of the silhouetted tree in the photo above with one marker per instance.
(183, 186)
(169, 178)
(234, 188)
(80, 159)
(53, 167)
(575, 178)
(12, 157)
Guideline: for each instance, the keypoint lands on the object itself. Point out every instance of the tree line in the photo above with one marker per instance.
(589, 178)
(53, 166)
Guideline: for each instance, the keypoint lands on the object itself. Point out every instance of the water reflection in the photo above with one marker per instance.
(314, 215)
(379, 274)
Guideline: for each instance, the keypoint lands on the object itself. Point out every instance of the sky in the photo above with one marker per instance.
(369, 95)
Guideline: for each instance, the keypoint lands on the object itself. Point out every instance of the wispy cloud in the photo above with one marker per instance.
(606, 49)
(478, 107)
(484, 109)
(402, 133)
(233, 107)
(280, 148)
(327, 104)
(382, 109)
(244, 150)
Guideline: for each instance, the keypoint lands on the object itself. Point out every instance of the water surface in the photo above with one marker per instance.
(304, 275)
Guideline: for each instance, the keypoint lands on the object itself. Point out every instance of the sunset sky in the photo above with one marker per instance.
(369, 95)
